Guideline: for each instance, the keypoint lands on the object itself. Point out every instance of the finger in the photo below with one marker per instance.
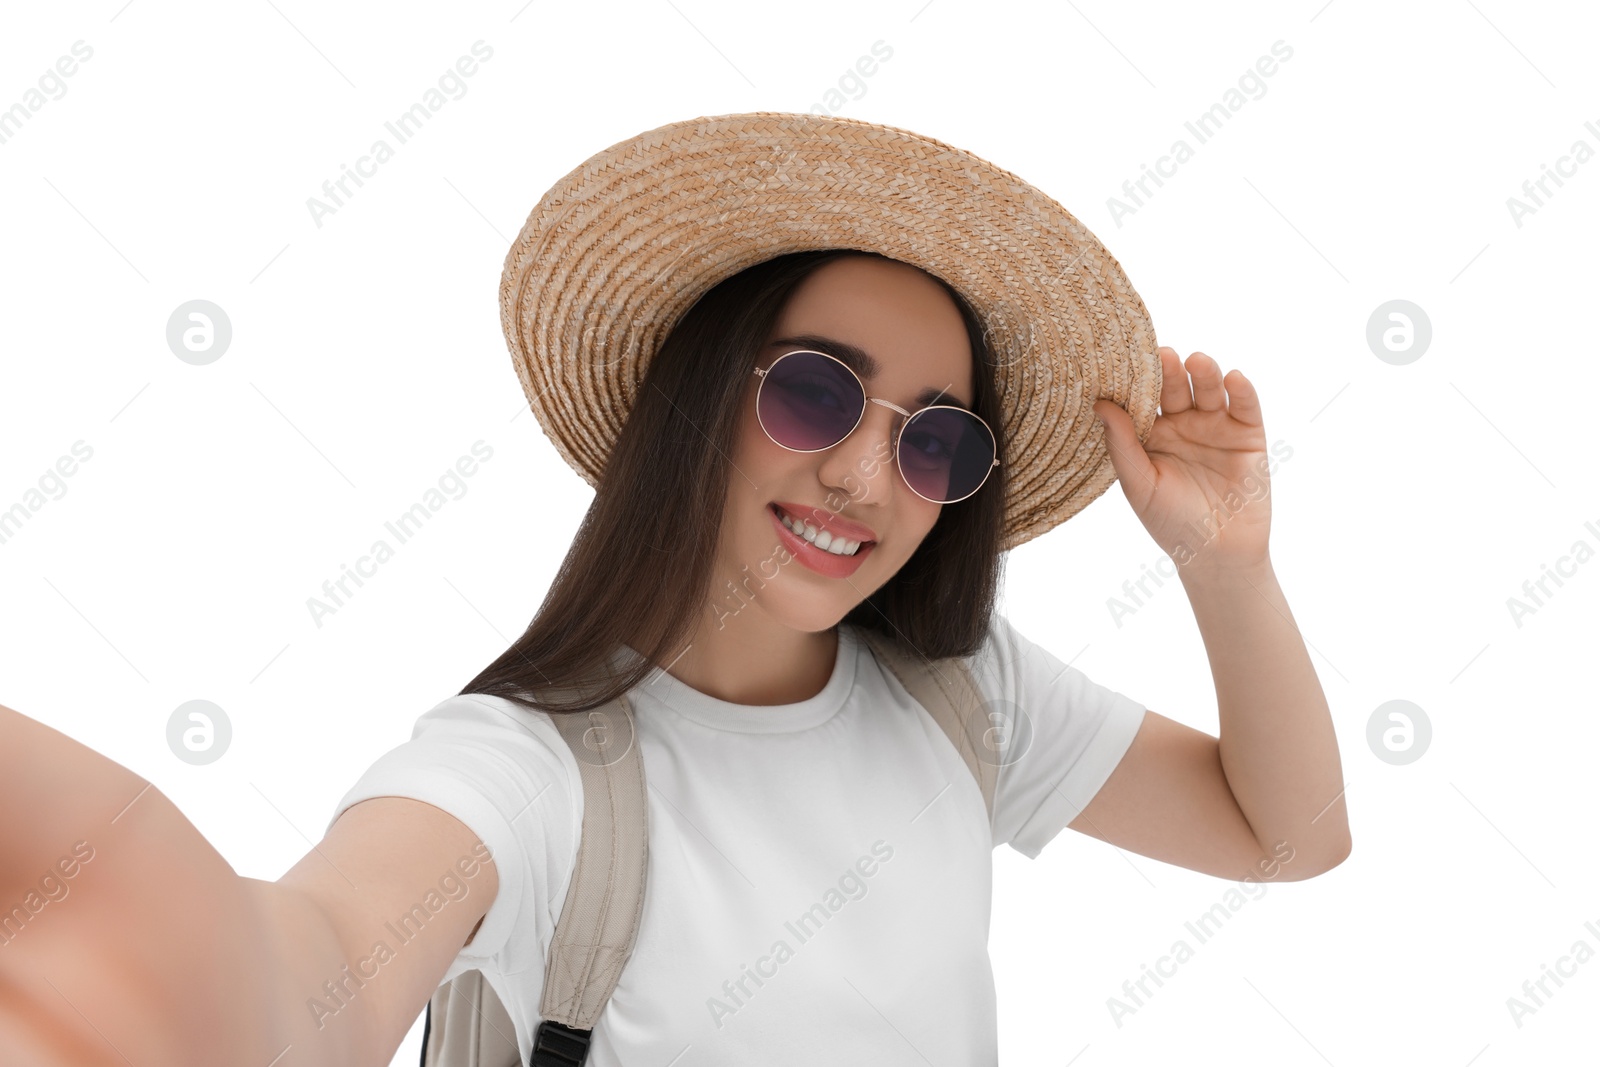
(1244, 403)
(1133, 466)
(1206, 377)
(1174, 383)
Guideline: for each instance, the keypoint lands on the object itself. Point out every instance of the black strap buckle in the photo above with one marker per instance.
(559, 1045)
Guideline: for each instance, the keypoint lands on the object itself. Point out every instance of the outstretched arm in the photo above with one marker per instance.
(125, 937)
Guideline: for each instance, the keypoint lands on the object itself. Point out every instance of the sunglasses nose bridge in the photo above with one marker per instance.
(891, 406)
(895, 424)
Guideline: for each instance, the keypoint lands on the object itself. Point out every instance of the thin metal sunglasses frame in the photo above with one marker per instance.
(905, 421)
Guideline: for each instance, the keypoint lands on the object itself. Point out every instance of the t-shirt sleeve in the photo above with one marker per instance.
(503, 770)
(1062, 735)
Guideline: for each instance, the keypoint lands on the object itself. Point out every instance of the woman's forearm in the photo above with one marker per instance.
(1277, 742)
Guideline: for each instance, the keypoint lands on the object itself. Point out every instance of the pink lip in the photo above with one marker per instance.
(817, 559)
(823, 519)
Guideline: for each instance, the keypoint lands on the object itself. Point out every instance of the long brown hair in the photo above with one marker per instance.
(631, 579)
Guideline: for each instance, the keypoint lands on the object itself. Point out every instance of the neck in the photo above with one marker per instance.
(751, 658)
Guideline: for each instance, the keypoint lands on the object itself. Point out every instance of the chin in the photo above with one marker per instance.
(816, 621)
(808, 610)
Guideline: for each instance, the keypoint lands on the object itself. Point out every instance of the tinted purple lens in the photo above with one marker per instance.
(945, 453)
(809, 401)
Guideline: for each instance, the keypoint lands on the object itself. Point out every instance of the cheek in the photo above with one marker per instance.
(923, 513)
(758, 458)
(757, 465)
(751, 437)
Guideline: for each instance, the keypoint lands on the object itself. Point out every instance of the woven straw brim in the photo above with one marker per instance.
(614, 254)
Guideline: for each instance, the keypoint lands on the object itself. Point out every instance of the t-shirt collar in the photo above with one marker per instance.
(664, 690)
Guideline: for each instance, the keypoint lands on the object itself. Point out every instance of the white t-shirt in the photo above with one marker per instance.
(819, 873)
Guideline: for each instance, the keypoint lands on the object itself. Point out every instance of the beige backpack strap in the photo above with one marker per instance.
(946, 689)
(468, 1026)
(599, 917)
(605, 898)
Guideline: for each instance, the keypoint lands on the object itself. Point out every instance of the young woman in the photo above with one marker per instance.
(819, 855)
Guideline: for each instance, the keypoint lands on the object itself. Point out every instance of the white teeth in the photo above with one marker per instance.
(823, 539)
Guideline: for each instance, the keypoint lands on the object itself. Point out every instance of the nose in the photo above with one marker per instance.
(861, 467)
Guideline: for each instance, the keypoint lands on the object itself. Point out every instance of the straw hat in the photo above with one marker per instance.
(617, 250)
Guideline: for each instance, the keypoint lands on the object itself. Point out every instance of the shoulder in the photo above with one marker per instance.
(480, 734)
(480, 717)
(993, 665)
(506, 772)
(1060, 733)
(508, 748)
(998, 664)
(484, 744)
(1010, 666)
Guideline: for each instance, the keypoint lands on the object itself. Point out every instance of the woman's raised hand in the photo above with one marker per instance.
(1199, 481)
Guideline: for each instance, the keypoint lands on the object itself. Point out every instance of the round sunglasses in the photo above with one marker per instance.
(810, 401)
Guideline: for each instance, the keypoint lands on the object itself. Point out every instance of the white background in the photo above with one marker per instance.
(367, 357)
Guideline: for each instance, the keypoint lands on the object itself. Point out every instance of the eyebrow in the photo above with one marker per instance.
(863, 364)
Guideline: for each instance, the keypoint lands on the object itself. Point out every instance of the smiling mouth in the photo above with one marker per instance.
(810, 533)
